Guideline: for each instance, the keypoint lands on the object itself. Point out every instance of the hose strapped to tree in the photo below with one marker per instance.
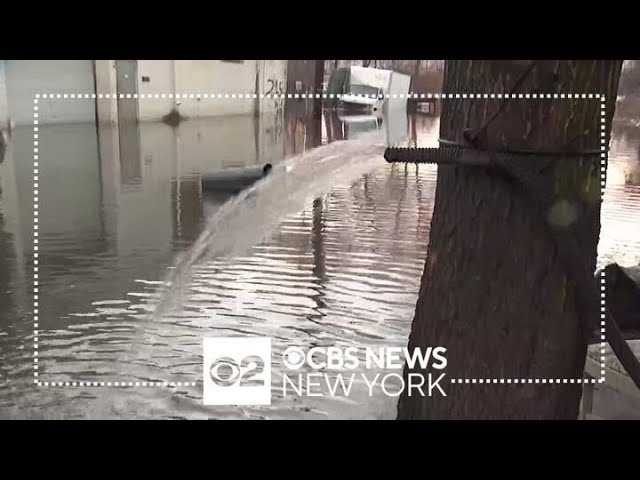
(509, 166)
(477, 153)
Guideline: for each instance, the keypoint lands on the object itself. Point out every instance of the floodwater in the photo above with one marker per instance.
(114, 212)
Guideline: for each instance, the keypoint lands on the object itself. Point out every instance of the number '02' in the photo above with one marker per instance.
(225, 372)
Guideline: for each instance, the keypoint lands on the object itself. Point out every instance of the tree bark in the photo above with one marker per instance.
(318, 89)
(494, 291)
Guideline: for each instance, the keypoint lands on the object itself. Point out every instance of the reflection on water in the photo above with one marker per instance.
(116, 209)
(620, 239)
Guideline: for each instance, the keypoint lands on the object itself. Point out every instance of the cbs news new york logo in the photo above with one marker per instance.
(237, 371)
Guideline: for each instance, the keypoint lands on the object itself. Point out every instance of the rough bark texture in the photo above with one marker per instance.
(318, 89)
(493, 291)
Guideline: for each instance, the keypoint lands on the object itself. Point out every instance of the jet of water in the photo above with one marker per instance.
(250, 217)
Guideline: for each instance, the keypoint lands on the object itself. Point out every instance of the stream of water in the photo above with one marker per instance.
(248, 218)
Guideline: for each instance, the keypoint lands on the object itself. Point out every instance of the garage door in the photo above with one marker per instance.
(25, 78)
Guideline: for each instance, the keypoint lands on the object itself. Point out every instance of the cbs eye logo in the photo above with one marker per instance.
(236, 371)
(226, 372)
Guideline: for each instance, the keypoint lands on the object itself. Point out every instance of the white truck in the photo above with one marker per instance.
(369, 89)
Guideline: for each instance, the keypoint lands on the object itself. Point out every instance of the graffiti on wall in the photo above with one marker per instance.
(273, 75)
(276, 88)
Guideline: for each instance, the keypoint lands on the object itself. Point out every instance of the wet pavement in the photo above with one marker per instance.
(116, 210)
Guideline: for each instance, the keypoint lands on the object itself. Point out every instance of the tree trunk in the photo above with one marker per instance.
(494, 292)
(318, 89)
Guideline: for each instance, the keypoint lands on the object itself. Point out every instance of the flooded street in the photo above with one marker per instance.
(115, 210)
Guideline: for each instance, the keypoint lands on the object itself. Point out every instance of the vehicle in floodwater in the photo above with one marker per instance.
(393, 122)
(355, 124)
(365, 89)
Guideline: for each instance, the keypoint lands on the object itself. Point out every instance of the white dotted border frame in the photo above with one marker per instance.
(225, 96)
(240, 96)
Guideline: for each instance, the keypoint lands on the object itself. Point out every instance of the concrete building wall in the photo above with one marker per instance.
(209, 77)
(155, 77)
(215, 76)
(272, 76)
(107, 108)
(273, 81)
(4, 107)
(171, 77)
(271, 136)
(25, 78)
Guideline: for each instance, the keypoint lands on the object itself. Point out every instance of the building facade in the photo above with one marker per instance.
(20, 80)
